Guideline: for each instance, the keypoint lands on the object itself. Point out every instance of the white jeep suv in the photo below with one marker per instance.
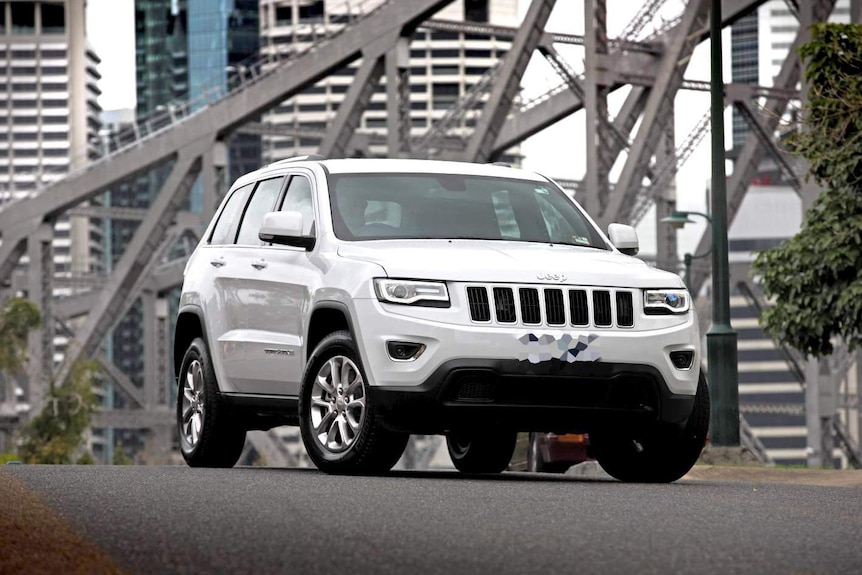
(365, 300)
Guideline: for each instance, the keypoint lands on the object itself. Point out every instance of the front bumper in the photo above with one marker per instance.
(565, 379)
(561, 398)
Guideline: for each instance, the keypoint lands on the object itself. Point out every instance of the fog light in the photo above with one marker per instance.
(404, 350)
(682, 359)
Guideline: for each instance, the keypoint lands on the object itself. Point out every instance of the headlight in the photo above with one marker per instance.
(666, 301)
(410, 292)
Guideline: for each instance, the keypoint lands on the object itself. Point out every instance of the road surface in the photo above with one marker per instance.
(259, 520)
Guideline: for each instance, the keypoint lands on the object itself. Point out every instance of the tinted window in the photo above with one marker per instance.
(228, 216)
(298, 199)
(421, 206)
(261, 202)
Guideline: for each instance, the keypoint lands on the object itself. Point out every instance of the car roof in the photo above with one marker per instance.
(399, 166)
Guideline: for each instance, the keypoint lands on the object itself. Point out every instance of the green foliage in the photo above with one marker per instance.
(7, 457)
(54, 435)
(86, 459)
(18, 317)
(120, 457)
(816, 276)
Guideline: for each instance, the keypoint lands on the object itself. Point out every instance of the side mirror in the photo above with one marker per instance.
(624, 238)
(285, 228)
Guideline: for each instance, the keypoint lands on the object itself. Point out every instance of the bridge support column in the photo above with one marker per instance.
(398, 98)
(40, 292)
(667, 257)
(596, 106)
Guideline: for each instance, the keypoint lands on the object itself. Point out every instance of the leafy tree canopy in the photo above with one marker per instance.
(54, 435)
(816, 276)
(17, 317)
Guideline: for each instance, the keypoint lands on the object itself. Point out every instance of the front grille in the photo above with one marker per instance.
(548, 306)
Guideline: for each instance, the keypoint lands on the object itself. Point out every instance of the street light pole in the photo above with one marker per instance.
(721, 338)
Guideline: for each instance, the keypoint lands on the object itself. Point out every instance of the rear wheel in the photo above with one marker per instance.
(340, 429)
(481, 452)
(208, 435)
(658, 455)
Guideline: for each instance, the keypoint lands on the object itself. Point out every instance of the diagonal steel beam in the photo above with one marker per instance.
(767, 139)
(481, 144)
(10, 252)
(752, 152)
(563, 103)
(138, 255)
(656, 113)
(335, 143)
(224, 115)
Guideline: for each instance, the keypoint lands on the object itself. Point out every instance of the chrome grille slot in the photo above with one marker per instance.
(504, 305)
(530, 311)
(477, 298)
(625, 310)
(602, 308)
(555, 309)
(578, 307)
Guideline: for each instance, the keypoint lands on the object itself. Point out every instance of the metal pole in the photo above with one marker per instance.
(686, 276)
(721, 338)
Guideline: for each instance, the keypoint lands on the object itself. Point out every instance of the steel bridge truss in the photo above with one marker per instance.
(191, 138)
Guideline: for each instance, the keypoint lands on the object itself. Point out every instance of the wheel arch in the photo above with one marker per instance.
(190, 324)
(327, 317)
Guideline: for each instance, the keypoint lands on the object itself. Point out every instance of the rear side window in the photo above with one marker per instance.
(261, 203)
(229, 215)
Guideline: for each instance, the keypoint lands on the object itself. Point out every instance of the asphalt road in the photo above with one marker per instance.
(258, 520)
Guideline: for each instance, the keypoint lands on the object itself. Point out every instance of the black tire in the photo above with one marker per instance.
(481, 452)
(221, 439)
(660, 455)
(372, 449)
(536, 462)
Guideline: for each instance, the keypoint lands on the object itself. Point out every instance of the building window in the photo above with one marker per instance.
(283, 15)
(476, 10)
(23, 17)
(53, 18)
(311, 13)
(53, 54)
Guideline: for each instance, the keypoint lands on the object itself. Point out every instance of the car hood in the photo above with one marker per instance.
(507, 262)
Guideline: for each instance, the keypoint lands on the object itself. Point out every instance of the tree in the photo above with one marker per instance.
(55, 435)
(816, 276)
(18, 317)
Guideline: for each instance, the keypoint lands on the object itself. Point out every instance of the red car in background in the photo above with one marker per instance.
(552, 453)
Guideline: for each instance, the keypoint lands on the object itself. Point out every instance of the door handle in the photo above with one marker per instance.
(217, 262)
(259, 264)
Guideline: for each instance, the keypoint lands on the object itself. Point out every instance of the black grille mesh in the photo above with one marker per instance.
(477, 298)
(504, 305)
(554, 307)
(625, 311)
(578, 307)
(602, 308)
(530, 311)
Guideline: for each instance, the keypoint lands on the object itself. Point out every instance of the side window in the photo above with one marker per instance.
(261, 202)
(298, 199)
(229, 216)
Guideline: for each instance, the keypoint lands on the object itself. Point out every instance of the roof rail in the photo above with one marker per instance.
(307, 158)
(504, 164)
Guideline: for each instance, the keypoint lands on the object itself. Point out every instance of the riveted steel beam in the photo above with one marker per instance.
(480, 147)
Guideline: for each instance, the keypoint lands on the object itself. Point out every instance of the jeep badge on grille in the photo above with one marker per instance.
(552, 277)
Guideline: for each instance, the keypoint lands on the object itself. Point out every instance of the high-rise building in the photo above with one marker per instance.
(744, 67)
(443, 66)
(48, 90)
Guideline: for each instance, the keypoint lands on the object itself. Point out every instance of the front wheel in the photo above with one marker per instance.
(338, 423)
(481, 452)
(659, 455)
(208, 435)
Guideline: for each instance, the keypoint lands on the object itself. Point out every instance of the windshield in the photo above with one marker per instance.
(446, 206)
